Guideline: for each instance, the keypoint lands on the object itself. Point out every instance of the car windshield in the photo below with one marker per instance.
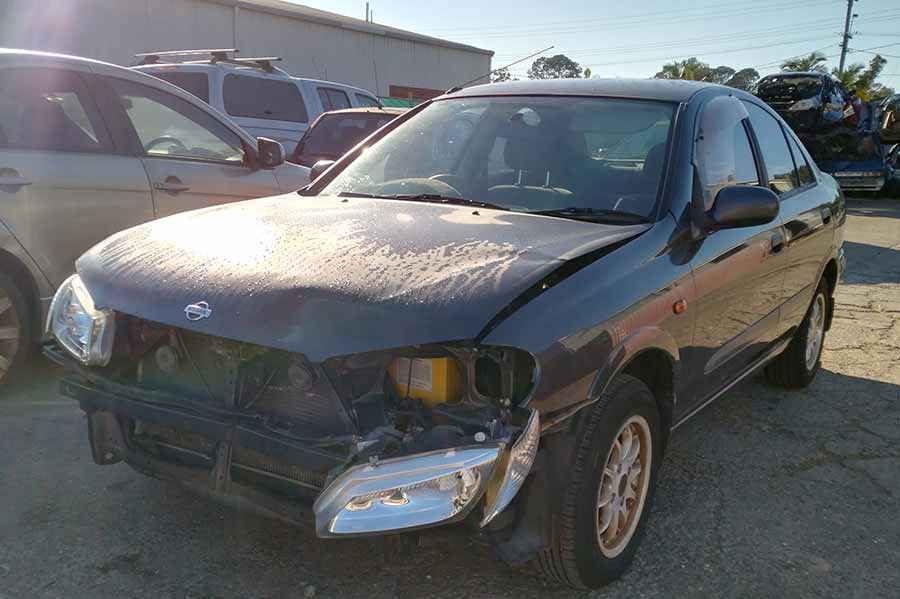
(567, 156)
(797, 87)
(334, 134)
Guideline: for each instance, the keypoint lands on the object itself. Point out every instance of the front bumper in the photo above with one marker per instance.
(875, 184)
(239, 464)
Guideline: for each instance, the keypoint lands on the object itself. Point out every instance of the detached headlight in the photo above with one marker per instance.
(514, 469)
(84, 331)
(406, 493)
(807, 104)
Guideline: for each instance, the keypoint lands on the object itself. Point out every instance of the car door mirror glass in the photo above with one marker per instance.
(743, 206)
(318, 168)
(270, 152)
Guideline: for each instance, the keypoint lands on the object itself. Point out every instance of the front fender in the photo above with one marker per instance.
(642, 340)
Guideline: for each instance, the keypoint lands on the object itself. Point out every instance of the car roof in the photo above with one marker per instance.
(205, 65)
(668, 90)
(369, 110)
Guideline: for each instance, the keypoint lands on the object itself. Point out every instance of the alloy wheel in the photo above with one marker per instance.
(815, 332)
(623, 486)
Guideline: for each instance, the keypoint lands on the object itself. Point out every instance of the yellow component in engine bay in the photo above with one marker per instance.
(433, 381)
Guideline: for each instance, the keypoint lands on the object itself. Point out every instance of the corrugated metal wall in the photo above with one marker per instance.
(115, 30)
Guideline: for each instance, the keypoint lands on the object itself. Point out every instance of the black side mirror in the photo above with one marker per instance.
(318, 168)
(270, 152)
(743, 206)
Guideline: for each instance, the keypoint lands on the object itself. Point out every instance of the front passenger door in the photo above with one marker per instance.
(193, 160)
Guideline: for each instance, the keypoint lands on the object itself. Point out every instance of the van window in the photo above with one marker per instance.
(333, 99)
(193, 83)
(367, 101)
(258, 98)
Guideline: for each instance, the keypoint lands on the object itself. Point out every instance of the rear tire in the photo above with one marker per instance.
(605, 488)
(16, 335)
(796, 366)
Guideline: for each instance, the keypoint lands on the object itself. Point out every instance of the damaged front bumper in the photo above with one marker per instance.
(239, 463)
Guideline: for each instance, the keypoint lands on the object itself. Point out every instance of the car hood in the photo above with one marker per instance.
(328, 276)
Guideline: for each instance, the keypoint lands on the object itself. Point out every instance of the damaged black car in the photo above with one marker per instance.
(494, 310)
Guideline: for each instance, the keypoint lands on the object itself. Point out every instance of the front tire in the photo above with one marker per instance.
(16, 336)
(610, 493)
(796, 366)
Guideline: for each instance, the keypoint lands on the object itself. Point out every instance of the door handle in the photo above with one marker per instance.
(172, 185)
(826, 215)
(15, 181)
(777, 243)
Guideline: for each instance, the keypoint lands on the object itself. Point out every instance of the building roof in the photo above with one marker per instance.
(298, 11)
(670, 90)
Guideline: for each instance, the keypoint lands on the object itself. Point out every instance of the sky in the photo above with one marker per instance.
(634, 39)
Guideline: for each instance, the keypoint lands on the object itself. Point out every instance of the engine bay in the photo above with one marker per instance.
(373, 406)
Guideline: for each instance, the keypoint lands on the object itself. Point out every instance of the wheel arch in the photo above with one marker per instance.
(651, 355)
(12, 266)
(830, 276)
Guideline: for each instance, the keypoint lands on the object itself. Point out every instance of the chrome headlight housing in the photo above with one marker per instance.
(406, 493)
(514, 469)
(80, 328)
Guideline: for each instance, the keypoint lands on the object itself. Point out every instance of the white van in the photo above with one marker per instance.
(257, 95)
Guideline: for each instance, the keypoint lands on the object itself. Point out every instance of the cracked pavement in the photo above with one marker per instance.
(766, 493)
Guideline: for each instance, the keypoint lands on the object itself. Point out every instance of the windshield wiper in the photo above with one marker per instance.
(601, 215)
(425, 197)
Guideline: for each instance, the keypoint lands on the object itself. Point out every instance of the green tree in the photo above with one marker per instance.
(587, 73)
(695, 70)
(814, 62)
(554, 67)
(863, 78)
(744, 79)
(500, 75)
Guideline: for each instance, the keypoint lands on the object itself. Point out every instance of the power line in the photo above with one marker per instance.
(724, 7)
(690, 54)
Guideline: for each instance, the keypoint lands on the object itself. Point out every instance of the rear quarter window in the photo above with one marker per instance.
(258, 98)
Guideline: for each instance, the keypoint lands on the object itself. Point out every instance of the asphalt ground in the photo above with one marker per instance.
(766, 493)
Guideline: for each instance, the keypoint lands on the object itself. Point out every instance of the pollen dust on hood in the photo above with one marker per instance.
(253, 250)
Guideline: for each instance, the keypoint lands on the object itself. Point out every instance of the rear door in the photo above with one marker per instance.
(805, 210)
(193, 159)
(266, 107)
(64, 184)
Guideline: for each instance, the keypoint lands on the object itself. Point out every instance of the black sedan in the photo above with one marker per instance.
(496, 309)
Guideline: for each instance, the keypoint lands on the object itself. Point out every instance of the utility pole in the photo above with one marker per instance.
(846, 40)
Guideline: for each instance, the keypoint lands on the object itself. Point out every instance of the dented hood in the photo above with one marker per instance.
(328, 276)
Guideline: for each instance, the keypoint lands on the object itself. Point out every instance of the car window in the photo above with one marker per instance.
(334, 134)
(170, 127)
(333, 99)
(259, 98)
(367, 101)
(804, 170)
(194, 83)
(775, 152)
(522, 153)
(48, 109)
(723, 154)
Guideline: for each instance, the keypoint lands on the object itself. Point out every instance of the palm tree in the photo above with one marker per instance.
(814, 62)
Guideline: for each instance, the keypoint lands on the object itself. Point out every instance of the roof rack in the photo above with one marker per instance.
(219, 55)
